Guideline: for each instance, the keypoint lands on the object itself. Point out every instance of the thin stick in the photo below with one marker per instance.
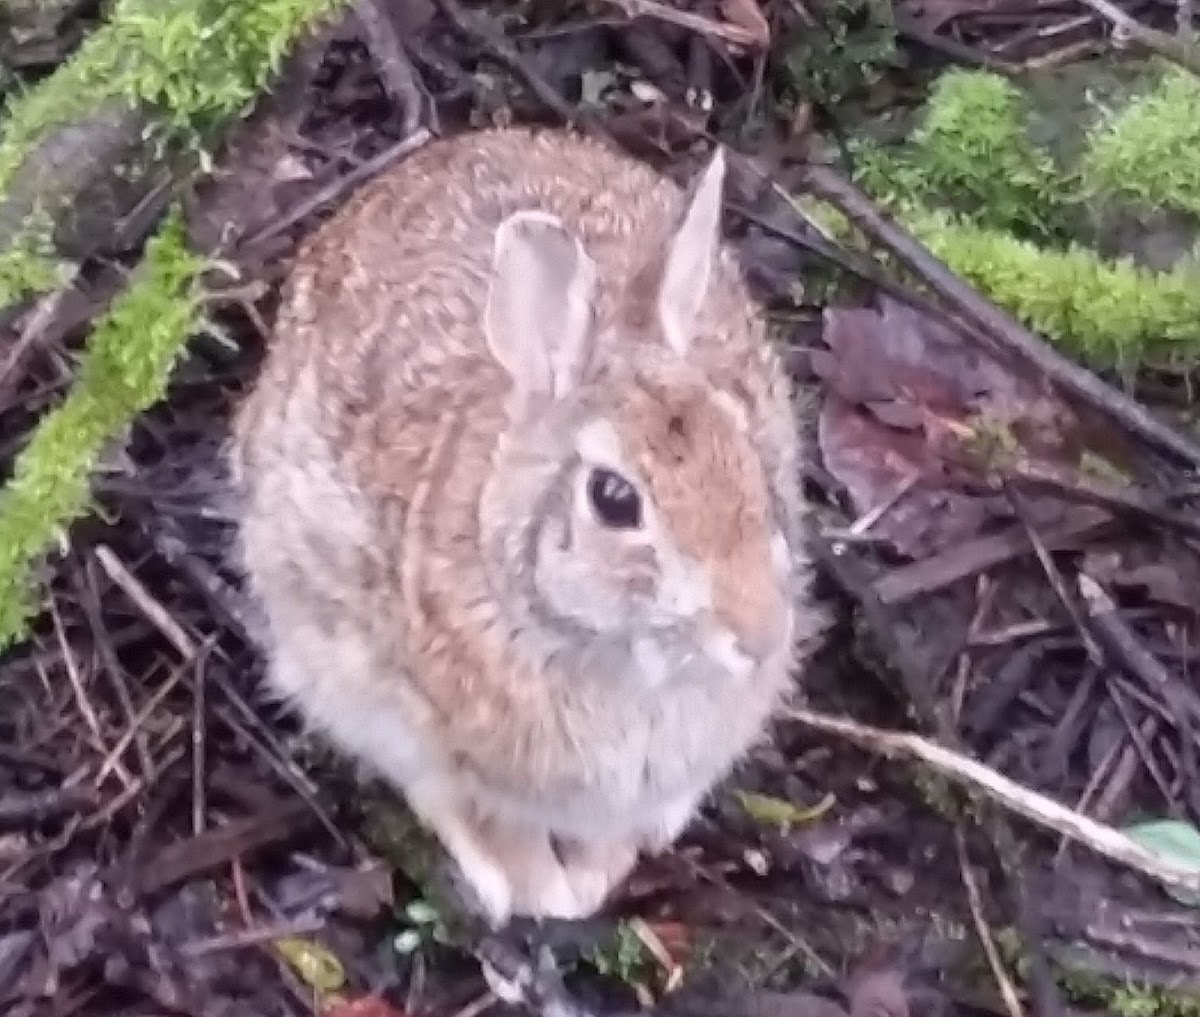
(692, 22)
(1008, 991)
(199, 729)
(135, 725)
(1125, 27)
(337, 188)
(396, 71)
(470, 24)
(1104, 840)
(154, 612)
(81, 697)
(39, 322)
(826, 184)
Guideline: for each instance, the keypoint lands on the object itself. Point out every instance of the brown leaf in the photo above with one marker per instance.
(874, 461)
(907, 397)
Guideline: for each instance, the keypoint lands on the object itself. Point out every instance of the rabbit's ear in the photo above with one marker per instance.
(539, 307)
(689, 257)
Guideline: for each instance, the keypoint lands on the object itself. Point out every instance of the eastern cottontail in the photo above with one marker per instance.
(521, 505)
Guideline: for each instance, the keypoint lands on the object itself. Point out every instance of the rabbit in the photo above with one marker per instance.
(521, 505)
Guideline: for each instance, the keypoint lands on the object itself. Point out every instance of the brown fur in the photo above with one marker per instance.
(390, 534)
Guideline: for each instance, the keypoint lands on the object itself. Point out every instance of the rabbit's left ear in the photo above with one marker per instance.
(538, 317)
(687, 266)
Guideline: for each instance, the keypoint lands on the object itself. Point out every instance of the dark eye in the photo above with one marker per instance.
(616, 502)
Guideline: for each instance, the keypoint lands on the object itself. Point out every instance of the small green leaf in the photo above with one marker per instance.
(315, 965)
(777, 811)
(1175, 841)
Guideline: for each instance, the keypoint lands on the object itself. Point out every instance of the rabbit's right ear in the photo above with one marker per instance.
(538, 317)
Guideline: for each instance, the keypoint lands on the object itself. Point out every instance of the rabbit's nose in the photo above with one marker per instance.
(757, 615)
(759, 637)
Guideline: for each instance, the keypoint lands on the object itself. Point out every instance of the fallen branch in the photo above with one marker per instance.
(1036, 807)
(826, 184)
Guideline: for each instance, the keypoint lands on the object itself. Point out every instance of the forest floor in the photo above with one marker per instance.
(936, 825)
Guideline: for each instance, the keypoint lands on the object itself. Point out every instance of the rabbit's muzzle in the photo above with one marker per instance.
(750, 606)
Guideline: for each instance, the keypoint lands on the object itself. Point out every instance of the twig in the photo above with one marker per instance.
(19, 807)
(396, 71)
(796, 942)
(1053, 575)
(81, 697)
(1102, 839)
(828, 185)
(135, 725)
(88, 593)
(1127, 652)
(734, 34)
(154, 612)
(975, 902)
(473, 26)
(909, 27)
(904, 582)
(812, 240)
(199, 730)
(1139, 750)
(36, 326)
(241, 938)
(1074, 484)
(336, 188)
(1125, 27)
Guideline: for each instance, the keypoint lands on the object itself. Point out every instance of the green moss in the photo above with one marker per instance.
(971, 151)
(193, 61)
(996, 208)
(1111, 313)
(124, 371)
(29, 265)
(1149, 151)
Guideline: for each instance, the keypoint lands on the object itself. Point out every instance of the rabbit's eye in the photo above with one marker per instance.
(616, 502)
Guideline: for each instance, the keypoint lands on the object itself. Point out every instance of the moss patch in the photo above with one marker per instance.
(1149, 151)
(1111, 313)
(123, 372)
(190, 65)
(972, 152)
(972, 185)
(192, 61)
(29, 264)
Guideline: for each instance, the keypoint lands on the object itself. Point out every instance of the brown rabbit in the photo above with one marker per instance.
(521, 505)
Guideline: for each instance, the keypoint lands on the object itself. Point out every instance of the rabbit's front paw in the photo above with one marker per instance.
(674, 818)
(593, 869)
